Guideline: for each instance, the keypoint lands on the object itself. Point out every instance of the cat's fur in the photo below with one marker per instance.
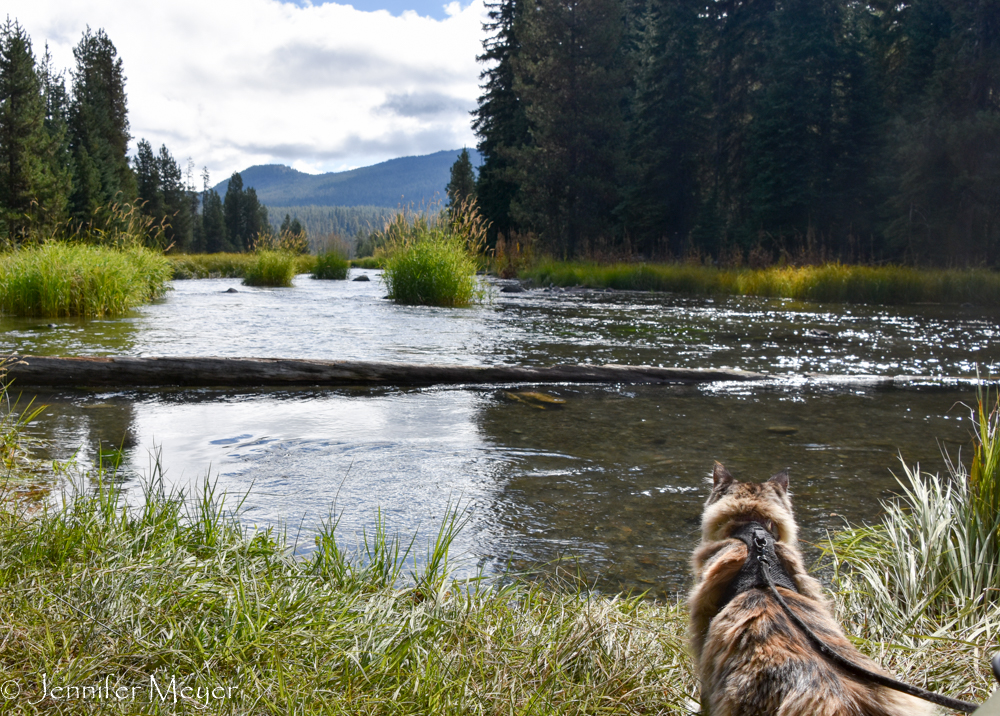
(751, 658)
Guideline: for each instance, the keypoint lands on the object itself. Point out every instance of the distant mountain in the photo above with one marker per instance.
(403, 181)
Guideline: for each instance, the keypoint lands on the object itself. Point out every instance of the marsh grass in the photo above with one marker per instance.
(58, 279)
(331, 265)
(225, 265)
(434, 263)
(832, 282)
(270, 267)
(367, 262)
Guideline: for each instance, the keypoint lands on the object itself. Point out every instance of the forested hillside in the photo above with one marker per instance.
(406, 181)
(856, 130)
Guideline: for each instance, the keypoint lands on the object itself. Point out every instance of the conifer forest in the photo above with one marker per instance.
(733, 130)
(839, 129)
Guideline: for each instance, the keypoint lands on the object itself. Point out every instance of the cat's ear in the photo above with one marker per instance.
(781, 480)
(720, 476)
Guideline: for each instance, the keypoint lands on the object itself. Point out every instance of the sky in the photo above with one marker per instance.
(318, 87)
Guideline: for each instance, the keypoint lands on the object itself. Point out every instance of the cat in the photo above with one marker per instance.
(752, 660)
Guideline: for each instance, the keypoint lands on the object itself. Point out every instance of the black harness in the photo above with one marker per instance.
(760, 543)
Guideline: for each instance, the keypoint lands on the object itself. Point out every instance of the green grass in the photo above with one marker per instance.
(58, 279)
(331, 265)
(271, 268)
(223, 265)
(174, 589)
(367, 262)
(927, 578)
(433, 262)
(832, 282)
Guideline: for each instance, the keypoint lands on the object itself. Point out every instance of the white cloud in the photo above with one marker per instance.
(232, 83)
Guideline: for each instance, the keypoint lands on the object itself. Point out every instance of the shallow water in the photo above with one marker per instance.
(611, 481)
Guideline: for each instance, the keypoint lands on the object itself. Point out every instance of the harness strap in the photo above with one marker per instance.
(755, 536)
(856, 669)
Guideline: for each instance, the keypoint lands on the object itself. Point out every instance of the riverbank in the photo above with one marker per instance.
(832, 282)
(121, 611)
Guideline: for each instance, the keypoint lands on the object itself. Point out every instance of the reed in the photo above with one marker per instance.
(832, 282)
(58, 279)
(332, 265)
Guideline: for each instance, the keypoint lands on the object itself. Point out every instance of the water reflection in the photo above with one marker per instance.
(613, 478)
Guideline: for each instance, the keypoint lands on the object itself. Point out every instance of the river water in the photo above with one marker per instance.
(609, 482)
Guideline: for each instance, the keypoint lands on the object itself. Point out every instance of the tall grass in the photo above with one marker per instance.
(832, 282)
(434, 263)
(928, 576)
(331, 265)
(57, 279)
(225, 265)
(270, 268)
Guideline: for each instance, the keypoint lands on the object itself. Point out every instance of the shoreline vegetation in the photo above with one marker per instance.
(118, 609)
(830, 282)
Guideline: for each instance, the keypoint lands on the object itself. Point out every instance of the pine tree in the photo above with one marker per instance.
(668, 138)
(176, 201)
(462, 184)
(32, 190)
(99, 128)
(246, 218)
(571, 75)
(213, 221)
(500, 121)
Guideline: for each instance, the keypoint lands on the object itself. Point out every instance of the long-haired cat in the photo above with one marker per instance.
(751, 658)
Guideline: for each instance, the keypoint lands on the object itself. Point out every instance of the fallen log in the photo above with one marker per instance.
(137, 372)
(129, 371)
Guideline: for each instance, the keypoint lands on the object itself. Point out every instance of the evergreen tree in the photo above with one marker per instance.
(176, 201)
(499, 121)
(213, 219)
(149, 185)
(99, 128)
(32, 189)
(571, 75)
(246, 218)
(789, 139)
(462, 184)
(668, 139)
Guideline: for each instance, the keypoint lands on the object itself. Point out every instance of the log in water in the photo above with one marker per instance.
(133, 372)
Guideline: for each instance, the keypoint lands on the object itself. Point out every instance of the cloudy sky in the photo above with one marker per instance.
(320, 87)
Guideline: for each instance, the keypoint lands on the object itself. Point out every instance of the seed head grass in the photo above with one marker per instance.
(832, 282)
(57, 279)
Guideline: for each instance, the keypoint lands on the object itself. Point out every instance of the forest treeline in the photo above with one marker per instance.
(64, 165)
(852, 129)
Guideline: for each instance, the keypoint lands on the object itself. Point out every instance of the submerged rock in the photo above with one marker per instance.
(362, 277)
(513, 288)
(536, 399)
